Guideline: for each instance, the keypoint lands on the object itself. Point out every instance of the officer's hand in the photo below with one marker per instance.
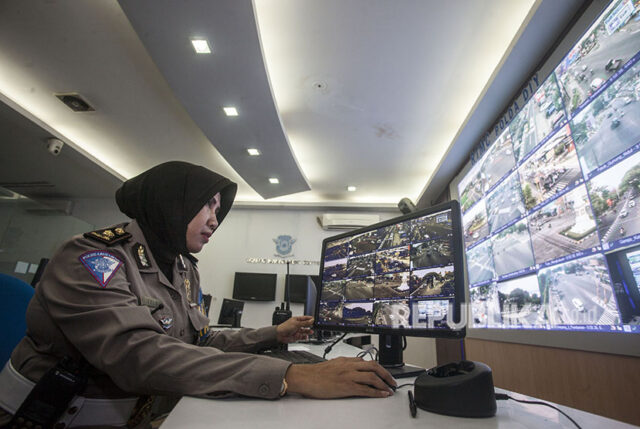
(339, 378)
(294, 329)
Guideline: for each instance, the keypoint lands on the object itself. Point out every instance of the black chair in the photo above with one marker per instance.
(14, 299)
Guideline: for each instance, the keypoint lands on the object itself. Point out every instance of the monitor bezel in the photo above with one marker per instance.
(458, 270)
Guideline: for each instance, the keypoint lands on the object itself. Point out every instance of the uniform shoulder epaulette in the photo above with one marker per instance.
(109, 236)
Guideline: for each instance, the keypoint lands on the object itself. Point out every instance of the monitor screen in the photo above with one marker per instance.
(402, 276)
(231, 312)
(549, 211)
(255, 286)
(297, 288)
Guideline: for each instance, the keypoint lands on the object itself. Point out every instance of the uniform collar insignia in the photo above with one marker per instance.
(140, 255)
(181, 264)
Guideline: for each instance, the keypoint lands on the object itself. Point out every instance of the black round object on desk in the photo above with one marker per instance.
(462, 389)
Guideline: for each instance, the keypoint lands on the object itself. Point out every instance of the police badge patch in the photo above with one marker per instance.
(166, 322)
(102, 265)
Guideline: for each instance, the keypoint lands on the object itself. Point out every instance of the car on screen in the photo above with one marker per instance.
(595, 83)
(615, 122)
(577, 303)
(613, 65)
(556, 119)
(550, 109)
(632, 203)
(624, 213)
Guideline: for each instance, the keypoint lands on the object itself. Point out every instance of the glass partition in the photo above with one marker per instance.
(31, 231)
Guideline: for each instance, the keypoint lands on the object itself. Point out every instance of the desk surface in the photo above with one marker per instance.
(294, 411)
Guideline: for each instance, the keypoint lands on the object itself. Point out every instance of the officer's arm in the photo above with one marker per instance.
(244, 340)
(122, 339)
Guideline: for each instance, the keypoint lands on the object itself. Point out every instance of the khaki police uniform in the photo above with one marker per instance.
(99, 298)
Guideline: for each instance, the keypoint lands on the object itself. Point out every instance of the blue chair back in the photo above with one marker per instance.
(14, 298)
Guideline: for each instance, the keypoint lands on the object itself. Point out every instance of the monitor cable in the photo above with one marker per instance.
(499, 396)
(369, 351)
(330, 346)
(400, 386)
(504, 396)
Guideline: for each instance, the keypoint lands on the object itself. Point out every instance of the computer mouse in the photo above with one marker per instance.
(385, 382)
(392, 387)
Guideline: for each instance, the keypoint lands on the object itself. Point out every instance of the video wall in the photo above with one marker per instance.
(551, 214)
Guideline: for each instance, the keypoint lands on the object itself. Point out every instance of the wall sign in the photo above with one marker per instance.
(284, 246)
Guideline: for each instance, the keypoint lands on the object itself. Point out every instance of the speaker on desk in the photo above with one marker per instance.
(462, 389)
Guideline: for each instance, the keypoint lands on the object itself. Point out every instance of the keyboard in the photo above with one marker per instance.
(294, 356)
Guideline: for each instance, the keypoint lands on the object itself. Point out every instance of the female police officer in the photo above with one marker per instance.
(125, 303)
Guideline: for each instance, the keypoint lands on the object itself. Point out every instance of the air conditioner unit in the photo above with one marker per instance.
(333, 221)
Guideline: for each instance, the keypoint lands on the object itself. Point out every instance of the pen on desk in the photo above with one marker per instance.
(412, 404)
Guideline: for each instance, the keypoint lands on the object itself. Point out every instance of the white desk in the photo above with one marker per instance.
(296, 412)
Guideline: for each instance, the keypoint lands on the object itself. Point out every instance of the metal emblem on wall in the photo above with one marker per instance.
(284, 245)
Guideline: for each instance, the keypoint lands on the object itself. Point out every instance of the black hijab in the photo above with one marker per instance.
(165, 198)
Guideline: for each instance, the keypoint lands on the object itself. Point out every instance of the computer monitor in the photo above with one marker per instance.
(400, 277)
(296, 289)
(206, 302)
(311, 295)
(231, 312)
(255, 286)
(550, 206)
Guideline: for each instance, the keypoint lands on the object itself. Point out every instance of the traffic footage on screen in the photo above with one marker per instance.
(396, 276)
(550, 219)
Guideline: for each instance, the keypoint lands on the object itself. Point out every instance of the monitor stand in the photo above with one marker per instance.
(390, 357)
(237, 315)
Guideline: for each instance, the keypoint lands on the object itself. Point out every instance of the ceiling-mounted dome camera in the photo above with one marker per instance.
(54, 146)
(406, 206)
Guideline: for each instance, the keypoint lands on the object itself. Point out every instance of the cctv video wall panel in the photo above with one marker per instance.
(396, 276)
(551, 212)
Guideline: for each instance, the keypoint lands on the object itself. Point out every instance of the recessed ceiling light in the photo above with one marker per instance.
(351, 188)
(274, 180)
(201, 46)
(230, 111)
(253, 152)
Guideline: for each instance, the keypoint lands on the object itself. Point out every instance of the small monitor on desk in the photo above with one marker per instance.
(401, 277)
(231, 312)
(296, 289)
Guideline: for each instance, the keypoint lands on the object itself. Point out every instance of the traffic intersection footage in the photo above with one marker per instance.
(550, 220)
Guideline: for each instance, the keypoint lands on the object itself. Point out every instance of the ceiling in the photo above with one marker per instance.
(386, 96)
